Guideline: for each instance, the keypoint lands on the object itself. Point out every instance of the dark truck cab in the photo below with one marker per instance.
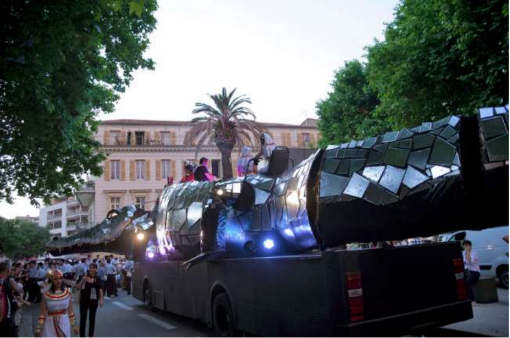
(379, 292)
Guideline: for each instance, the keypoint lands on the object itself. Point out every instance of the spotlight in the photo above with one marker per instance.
(219, 192)
(150, 255)
(268, 243)
(140, 236)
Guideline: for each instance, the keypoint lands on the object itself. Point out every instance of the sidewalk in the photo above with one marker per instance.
(489, 319)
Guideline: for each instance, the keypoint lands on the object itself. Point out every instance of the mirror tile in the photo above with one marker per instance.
(356, 186)
(413, 178)
(392, 178)
(373, 173)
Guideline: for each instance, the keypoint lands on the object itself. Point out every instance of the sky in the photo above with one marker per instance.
(280, 53)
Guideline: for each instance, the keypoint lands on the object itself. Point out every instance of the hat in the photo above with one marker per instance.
(54, 273)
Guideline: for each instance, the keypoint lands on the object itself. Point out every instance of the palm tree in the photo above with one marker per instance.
(226, 123)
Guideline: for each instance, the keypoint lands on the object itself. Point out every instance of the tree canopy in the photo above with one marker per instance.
(343, 112)
(22, 239)
(439, 57)
(63, 63)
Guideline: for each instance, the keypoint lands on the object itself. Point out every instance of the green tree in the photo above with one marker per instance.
(22, 239)
(226, 123)
(440, 57)
(346, 113)
(62, 63)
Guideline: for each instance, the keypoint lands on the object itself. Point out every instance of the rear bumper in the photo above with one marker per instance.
(417, 321)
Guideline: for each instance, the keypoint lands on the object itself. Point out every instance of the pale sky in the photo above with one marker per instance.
(281, 53)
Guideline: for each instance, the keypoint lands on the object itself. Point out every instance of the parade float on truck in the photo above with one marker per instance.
(287, 230)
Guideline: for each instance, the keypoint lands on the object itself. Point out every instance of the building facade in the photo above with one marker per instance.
(142, 154)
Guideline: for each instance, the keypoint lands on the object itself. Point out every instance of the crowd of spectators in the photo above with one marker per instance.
(23, 282)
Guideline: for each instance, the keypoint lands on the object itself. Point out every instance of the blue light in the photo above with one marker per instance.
(288, 232)
(268, 243)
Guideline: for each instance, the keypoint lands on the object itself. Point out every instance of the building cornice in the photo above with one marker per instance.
(163, 149)
(140, 191)
(114, 191)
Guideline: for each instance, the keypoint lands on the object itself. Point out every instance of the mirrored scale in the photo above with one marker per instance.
(373, 173)
(438, 171)
(356, 186)
(392, 178)
(413, 178)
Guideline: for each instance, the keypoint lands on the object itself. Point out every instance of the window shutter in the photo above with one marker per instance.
(106, 140)
(300, 140)
(122, 138)
(172, 171)
(122, 170)
(172, 138)
(147, 137)
(157, 137)
(147, 169)
(158, 169)
(312, 140)
(132, 170)
(107, 170)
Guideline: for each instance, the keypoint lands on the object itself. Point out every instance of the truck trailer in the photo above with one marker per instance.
(372, 292)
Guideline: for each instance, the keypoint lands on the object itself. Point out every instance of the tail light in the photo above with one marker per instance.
(355, 296)
(458, 268)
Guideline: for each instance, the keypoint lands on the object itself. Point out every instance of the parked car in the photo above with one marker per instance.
(492, 248)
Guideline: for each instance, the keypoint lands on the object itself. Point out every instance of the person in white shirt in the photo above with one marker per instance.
(111, 285)
(472, 267)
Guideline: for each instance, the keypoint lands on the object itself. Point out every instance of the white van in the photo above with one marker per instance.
(492, 248)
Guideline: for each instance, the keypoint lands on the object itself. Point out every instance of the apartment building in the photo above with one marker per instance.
(65, 216)
(142, 154)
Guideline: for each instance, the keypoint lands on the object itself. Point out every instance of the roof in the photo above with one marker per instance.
(308, 123)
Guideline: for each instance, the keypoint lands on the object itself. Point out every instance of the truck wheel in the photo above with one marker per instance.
(223, 317)
(147, 299)
(503, 277)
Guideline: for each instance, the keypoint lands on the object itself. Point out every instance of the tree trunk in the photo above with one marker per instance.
(226, 159)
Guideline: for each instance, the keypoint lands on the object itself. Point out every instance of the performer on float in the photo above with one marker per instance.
(57, 314)
(244, 166)
(266, 149)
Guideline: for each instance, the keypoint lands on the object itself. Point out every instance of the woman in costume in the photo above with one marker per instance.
(57, 314)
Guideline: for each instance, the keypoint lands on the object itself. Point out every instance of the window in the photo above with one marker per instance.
(165, 138)
(114, 203)
(140, 202)
(140, 138)
(115, 137)
(306, 139)
(70, 233)
(165, 168)
(115, 170)
(140, 170)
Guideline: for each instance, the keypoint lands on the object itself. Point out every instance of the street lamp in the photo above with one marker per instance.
(85, 197)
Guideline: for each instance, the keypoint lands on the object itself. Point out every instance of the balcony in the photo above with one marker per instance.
(52, 217)
(76, 213)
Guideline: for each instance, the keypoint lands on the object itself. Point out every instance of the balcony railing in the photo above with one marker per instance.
(76, 212)
(52, 217)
